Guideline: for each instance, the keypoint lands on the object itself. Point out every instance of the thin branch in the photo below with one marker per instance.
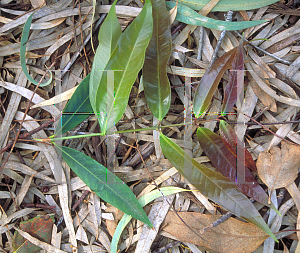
(222, 219)
(25, 113)
(220, 39)
(264, 51)
(26, 135)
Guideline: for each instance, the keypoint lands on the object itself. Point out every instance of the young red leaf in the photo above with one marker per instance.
(231, 141)
(226, 164)
(210, 81)
(213, 184)
(236, 80)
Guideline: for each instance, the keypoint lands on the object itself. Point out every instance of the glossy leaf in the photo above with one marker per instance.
(236, 80)
(191, 17)
(108, 36)
(96, 176)
(210, 81)
(213, 184)
(128, 59)
(227, 5)
(23, 44)
(39, 227)
(77, 109)
(226, 164)
(144, 200)
(155, 80)
(232, 143)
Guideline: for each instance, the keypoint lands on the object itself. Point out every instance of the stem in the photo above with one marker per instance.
(51, 139)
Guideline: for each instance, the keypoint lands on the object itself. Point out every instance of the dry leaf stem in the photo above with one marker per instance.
(26, 135)
(220, 39)
(25, 113)
(264, 51)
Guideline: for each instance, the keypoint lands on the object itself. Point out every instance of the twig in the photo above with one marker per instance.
(26, 135)
(168, 246)
(40, 206)
(200, 44)
(265, 124)
(77, 53)
(25, 113)
(222, 219)
(264, 51)
(265, 127)
(220, 39)
(85, 193)
(81, 35)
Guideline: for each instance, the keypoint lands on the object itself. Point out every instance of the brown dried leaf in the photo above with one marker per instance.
(112, 224)
(231, 236)
(277, 167)
(265, 98)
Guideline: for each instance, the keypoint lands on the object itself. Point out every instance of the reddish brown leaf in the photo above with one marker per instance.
(236, 80)
(210, 81)
(38, 227)
(231, 236)
(226, 164)
(233, 144)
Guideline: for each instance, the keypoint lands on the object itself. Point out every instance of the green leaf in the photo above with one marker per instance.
(24, 40)
(77, 109)
(210, 81)
(39, 227)
(127, 58)
(227, 5)
(108, 36)
(191, 17)
(96, 176)
(144, 200)
(213, 185)
(156, 82)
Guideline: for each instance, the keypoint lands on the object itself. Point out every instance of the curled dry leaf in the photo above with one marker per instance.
(231, 236)
(173, 13)
(277, 167)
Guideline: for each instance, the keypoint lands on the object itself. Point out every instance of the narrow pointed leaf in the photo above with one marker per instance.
(23, 44)
(191, 17)
(144, 200)
(227, 5)
(155, 80)
(77, 109)
(210, 81)
(128, 59)
(236, 80)
(226, 164)
(232, 143)
(108, 36)
(96, 176)
(213, 185)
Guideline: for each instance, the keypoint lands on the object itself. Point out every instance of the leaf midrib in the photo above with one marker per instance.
(107, 185)
(175, 148)
(123, 73)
